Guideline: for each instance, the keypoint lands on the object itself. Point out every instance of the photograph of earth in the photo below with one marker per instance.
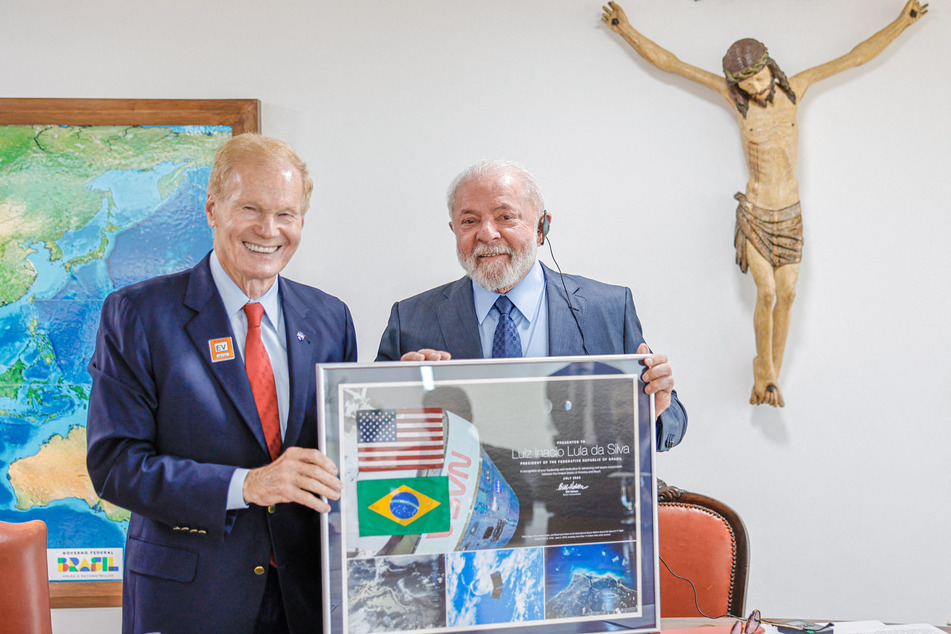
(590, 579)
(396, 594)
(495, 586)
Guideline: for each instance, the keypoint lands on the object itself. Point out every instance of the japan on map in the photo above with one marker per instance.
(84, 210)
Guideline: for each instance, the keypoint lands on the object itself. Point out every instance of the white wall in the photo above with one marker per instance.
(845, 491)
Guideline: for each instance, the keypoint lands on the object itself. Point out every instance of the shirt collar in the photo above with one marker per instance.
(524, 295)
(234, 298)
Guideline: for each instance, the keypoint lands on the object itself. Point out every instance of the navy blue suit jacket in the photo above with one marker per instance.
(167, 427)
(444, 318)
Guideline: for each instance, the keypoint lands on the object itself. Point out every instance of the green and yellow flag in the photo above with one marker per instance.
(403, 506)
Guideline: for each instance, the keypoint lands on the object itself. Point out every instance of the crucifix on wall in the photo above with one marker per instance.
(768, 234)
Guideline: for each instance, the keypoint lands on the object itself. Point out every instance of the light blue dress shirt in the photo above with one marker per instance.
(530, 314)
(275, 342)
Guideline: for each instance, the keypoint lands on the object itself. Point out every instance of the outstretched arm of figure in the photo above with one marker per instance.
(660, 57)
(864, 52)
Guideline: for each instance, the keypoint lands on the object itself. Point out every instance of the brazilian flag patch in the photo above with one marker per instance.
(403, 506)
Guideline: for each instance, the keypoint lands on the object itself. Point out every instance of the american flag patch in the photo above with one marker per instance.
(397, 439)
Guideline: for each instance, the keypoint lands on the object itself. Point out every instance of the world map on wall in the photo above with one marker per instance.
(84, 210)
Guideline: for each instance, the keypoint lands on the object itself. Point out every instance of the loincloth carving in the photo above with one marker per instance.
(776, 235)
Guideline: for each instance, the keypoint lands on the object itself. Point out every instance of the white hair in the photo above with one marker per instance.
(494, 167)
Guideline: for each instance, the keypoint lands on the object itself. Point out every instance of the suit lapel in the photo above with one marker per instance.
(300, 360)
(211, 322)
(564, 337)
(458, 323)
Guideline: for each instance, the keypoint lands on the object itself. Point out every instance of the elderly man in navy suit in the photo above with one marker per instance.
(509, 304)
(202, 417)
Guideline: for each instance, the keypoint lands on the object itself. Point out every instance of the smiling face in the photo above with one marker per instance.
(496, 228)
(257, 219)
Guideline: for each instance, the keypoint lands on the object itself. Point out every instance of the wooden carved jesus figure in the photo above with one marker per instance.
(768, 235)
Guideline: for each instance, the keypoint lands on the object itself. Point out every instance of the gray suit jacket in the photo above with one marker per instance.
(444, 318)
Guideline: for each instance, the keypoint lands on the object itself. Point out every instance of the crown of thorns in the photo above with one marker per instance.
(746, 73)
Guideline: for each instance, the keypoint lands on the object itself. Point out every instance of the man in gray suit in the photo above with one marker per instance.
(510, 304)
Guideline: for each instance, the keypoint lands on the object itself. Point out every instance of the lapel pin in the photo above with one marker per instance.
(300, 336)
(221, 349)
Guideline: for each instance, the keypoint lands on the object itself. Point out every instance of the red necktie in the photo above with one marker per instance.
(261, 377)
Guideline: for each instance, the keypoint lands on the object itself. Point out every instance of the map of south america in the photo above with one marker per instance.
(84, 210)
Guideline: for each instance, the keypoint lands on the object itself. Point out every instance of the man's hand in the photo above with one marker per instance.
(426, 354)
(658, 376)
(298, 475)
(614, 16)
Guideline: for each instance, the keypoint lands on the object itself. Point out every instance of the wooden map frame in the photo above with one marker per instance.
(243, 115)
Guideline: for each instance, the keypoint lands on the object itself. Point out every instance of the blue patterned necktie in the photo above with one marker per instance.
(506, 343)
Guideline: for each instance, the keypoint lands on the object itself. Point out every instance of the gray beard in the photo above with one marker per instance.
(494, 278)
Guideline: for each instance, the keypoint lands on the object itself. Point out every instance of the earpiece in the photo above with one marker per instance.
(543, 226)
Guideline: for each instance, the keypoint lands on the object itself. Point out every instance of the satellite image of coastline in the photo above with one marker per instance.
(84, 210)
(589, 580)
(396, 594)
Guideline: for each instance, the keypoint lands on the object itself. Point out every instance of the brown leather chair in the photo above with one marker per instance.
(25, 591)
(705, 541)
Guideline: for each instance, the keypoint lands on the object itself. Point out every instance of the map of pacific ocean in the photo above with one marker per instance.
(84, 210)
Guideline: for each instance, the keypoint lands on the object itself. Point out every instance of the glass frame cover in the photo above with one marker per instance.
(487, 494)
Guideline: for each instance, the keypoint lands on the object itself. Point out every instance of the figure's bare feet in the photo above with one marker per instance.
(765, 389)
(771, 395)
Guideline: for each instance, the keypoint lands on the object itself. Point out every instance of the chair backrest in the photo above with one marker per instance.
(705, 541)
(25, 591)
